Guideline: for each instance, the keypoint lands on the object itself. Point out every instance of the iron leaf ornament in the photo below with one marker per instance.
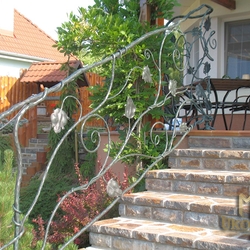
(207, 24)
(146, 75)
(172, 87)
(206, 68)
(130, 108)
(183, 127)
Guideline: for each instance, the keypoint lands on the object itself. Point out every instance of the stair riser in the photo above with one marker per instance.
(182, 217)
(114, 242)
(219, 142)
(32, 150)
(38, 145)
(199, 188)
(42, 141)
(209, 164)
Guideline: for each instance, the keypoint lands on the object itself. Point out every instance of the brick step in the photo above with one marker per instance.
(210, 159)
(219, 142)
(94, 248)
(199, 182)
(200, 211)
(32, 155)
(32, 150)
(38, 142)
(134, 234)
(42, 136)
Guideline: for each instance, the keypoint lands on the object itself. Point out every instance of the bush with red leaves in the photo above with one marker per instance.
(77, 210)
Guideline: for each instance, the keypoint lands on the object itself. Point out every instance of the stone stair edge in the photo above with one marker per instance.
(150, 201)
(198, 175)
(169, 234)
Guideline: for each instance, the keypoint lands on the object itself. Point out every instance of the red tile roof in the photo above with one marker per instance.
(50, 73)
(29, 40)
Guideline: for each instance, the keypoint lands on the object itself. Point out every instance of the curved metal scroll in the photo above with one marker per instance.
(173, 91)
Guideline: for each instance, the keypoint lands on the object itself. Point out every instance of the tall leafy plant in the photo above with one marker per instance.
(105, 28)
(66, 153)
(7, 188)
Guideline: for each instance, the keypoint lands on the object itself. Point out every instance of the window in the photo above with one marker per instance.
(237, 48)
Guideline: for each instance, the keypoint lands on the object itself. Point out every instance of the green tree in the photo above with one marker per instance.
(105, 28)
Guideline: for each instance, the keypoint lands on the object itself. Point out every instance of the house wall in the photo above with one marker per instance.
(219, 17)
(10, 67)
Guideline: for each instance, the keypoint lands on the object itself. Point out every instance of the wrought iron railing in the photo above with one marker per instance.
(190, 102)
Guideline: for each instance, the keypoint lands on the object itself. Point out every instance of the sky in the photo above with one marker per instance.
(48, 14)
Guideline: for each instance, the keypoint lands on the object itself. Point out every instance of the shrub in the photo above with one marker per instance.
(7, 187)
(76, 211)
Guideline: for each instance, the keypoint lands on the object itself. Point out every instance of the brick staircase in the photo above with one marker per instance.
(192, 205)
(34, 157)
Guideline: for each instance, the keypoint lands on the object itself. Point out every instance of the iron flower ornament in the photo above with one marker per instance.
(183, 127)
(58, 119)
(113, 189)
(172, 87)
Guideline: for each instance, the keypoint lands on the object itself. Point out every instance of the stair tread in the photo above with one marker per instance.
(201, 175)
(172, 234)
(188, 202)
(208, 152)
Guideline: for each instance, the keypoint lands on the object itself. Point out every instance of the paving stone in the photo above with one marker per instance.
(238, 165)
(121, 243)
(158, 184)
(209, 189)
(206, 142)
(211, 153)
(232, 154)
(138, 211)
(239, 142)
(235, 190)
(177, 239)
(223, 243)
(184, 186)
(201, 219)
(167, 215)
(189, 163)
(100, 240)
(217, 164)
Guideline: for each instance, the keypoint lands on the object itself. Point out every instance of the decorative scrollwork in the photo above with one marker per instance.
(176, 98)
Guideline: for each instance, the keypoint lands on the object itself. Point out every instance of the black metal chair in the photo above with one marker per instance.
(240, 103)
(199, 108)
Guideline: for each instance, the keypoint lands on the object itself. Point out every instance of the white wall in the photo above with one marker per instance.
(219, 17)
(12, 67)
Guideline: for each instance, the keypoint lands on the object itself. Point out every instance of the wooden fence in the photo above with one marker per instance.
(12, 91)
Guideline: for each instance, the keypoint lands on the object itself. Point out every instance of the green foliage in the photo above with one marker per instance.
(87, 168)
(7, 187)
(66, 152)
(53, 186)
(141, 143)
(64, 159)
(105, 28)
(5, 143)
